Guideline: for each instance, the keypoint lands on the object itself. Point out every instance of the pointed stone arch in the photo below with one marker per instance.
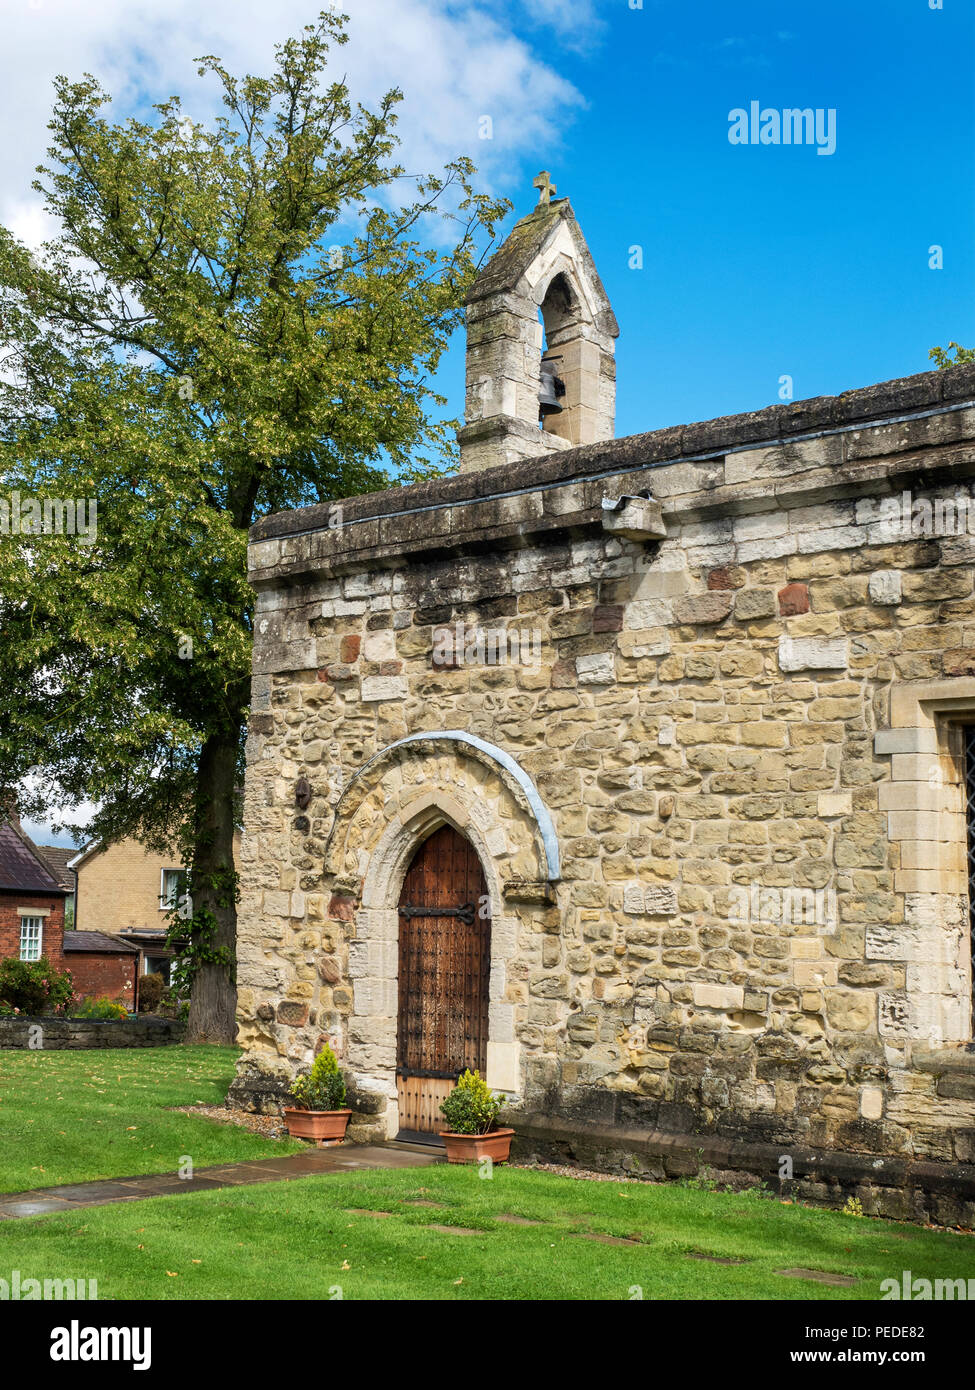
(374, 951)
(492, 766)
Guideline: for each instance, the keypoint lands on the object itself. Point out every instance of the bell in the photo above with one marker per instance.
(551, 387)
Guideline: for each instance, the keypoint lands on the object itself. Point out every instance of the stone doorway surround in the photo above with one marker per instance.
(925, 806)
(386, 811)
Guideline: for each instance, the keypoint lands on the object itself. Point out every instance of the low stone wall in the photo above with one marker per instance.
(902, 1189)
(59, 1034)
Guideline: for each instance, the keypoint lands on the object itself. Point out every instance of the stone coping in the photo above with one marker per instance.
(775, 424)
(154, 1020)
(499, 505)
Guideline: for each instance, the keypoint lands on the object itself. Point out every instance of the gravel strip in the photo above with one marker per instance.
(271, 1126)
(565, 1170)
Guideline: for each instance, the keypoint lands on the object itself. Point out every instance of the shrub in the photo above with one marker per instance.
(150, 993)
(471, 1108)
(172, 1006)
(34, 986)
(102, 1008)
(323, 1088)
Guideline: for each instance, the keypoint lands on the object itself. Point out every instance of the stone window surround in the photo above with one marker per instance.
(924, 803)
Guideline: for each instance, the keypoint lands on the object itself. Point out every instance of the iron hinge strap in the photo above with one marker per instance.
(410, 910)
(426, 1075)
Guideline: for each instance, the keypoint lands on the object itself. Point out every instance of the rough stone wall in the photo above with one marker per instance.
(743, 734)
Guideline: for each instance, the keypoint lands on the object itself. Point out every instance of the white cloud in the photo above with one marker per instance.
(43, 833)
(578, 24)
(71, 821)
(454, 64)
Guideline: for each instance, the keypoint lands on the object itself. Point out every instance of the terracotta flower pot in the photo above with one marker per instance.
(471, 1148)
(327, 1126)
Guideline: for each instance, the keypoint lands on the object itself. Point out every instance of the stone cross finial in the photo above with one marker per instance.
(545, 186)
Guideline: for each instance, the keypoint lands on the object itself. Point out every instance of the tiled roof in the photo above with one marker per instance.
(21, 867)
(97, 941)
(56, 860)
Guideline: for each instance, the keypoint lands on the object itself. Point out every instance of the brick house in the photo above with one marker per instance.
(124, 894)
(33, 894)
(102, 966)
(124, 886)
(31, 901)
(128, 892)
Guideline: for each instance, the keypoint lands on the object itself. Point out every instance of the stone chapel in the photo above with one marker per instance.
(637, 773)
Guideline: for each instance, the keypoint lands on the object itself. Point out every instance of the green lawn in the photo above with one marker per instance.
(305, 1240)
(73, 1116)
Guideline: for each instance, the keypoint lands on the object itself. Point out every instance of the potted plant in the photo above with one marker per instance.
(470, 1111)
(319, 1097)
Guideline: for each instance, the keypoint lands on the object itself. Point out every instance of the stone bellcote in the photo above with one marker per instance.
(539, 295)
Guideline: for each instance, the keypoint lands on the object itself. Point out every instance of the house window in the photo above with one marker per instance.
(157, 965)
(31, 936)
(171, 889)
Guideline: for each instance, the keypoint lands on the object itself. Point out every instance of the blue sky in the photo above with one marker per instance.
(758, 261)
(764, 261)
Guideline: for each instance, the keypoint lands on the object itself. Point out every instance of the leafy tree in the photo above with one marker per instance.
(943, 359)
(200, 345)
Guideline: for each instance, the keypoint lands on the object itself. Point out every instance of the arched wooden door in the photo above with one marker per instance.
(444, 965)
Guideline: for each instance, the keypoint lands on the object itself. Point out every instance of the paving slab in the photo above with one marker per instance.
(112, 1189)
(341, 1158)
(277, 1170)
(715, 1259)
(35, 1206)
(235, 1175)
(173, 1185)
(819, 1276)
(603, 1239)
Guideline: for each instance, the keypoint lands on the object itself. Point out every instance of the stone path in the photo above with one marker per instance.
(343, 1158)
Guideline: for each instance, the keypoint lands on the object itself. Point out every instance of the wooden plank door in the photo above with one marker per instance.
(444, 965)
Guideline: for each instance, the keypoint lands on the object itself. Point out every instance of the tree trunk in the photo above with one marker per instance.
(213, 1005)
